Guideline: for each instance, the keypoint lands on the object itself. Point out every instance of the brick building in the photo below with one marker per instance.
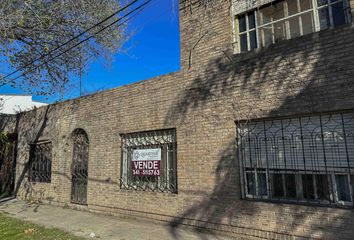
(254, 136)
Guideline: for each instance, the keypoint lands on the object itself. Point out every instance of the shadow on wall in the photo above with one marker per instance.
(30, 127)
(221, 205)
(8, 146)
(33, 126)
(29, 124)
(7, 164)
(309, 74)
(301, 75)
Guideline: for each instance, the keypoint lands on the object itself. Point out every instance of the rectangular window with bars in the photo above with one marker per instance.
(299, 159)
(286, 19)
(157, 170)
(40, 168)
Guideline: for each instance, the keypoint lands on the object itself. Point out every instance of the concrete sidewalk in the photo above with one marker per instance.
(82, 223)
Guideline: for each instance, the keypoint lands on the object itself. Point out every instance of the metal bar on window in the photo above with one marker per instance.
(323, 146)
(298, 158)
(239, 150)
(266, 151)
(347, 155)
(161, 142)
(40, 162)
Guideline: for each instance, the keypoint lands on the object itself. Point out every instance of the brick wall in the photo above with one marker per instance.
(214, 88)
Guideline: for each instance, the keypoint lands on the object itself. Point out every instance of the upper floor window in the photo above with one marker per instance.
(40, 169)
(287, 19)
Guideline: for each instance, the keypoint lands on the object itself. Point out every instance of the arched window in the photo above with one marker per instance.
(79, 169)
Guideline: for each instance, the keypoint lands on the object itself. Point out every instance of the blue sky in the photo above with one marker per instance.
(153, 50)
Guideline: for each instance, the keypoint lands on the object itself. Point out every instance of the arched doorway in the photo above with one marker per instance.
(79, 167)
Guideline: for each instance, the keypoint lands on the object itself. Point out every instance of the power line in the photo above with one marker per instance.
(72, 39)
(67, 42)
(82, 41)
(81, 84)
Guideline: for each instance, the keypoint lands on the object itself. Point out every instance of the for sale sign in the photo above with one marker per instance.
(146, 162)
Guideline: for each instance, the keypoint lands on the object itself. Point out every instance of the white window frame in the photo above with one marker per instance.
(316, 22)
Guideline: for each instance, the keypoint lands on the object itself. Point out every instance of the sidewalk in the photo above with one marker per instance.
(82, 224)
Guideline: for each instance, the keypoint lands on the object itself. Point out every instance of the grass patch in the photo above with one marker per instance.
(14, 229)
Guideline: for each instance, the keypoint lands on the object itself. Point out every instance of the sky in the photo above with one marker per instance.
(152, 50)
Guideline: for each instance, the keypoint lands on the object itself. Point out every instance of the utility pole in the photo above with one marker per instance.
(80, 72)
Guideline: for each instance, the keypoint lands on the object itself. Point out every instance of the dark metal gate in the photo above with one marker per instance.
(79, 168)
(7, 165)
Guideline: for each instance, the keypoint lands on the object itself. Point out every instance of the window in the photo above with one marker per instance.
(79, 166)
(149, 161)
(40, 162)
(287, 19)
(301, 159)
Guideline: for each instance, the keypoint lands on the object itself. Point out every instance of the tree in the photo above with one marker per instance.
(31, 28)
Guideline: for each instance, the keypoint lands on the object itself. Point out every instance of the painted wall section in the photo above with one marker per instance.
(13, 104)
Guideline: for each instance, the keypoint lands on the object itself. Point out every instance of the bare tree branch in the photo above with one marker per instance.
(31, 28)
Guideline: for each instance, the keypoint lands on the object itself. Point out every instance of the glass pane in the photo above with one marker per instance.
(250, 184)
(338, 14)
(278, 11)
(343, 188)
(324, 18)
(253, 39)
(292, 7)
(262, 184)
(305, 4)
(307, 186)
(266, 36)
(278, 190)
(266, 15)
(242, 23)
(251, 20)
(322, 185)
(307, 23)
(321, 2)
(294, 27)
(290, 185)
(243, 42)
(279, 31)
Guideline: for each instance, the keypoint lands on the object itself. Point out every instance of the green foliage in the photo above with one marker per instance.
(4, 143)
(13, 229)
(4, 138)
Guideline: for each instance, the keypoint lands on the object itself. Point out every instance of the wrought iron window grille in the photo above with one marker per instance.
(40, 165)
(166, 180)
(79, 167)
(304, 159)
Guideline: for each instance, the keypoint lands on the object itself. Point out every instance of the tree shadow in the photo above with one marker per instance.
(217, 209)
(27, 124)
(310, 74)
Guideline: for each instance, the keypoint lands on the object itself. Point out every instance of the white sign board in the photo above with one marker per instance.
(146, 162)
(152, 154)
